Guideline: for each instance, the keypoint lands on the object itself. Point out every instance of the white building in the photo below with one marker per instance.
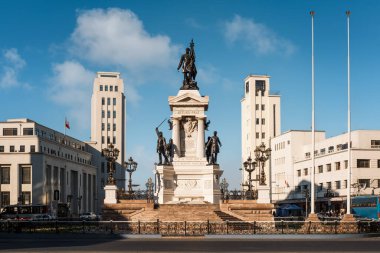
(291, 167)
(35, 161)
(108, 124)
(260, 121)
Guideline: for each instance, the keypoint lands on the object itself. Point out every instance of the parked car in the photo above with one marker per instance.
(43, 217)
(89, 216)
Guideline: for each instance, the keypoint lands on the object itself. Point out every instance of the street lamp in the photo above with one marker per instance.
(249, 166)
(110, 153)
(130, 167)
(262, 155)
(224, 188)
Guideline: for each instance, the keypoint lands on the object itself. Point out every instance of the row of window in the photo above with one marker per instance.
(108, 114)
(109, 140)
(259, 86)
(108, 101)
(5, 197)
(258, 121)
(111, 88)
(66, 155)
(14, 131)
(330, 149)
(258, 135)
(109, 127)
(12, 148)
(62, 140)
(258, 107)
(5, 175)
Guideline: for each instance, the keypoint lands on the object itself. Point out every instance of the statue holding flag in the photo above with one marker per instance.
(189, 70)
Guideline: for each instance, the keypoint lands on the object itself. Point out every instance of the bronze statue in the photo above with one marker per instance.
(189, 70)
(214, 144)
(170, 150)
(208, 150)
(161, 147)
(207, 124)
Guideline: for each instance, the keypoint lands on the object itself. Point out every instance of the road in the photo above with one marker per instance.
(118, 243)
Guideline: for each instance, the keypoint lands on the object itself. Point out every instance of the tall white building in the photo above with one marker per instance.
(260, 121)
(108, 124)
(291, 167)
(36, 161)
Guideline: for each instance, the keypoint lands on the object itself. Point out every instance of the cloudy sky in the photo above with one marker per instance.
(51, 50)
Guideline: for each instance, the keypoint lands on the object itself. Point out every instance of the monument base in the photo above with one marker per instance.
(348, 217)
(312, 217)
(188, 182)
(263, 195)
(110, 194)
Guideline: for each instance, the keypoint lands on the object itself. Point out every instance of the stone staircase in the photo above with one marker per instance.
(124, 210)
(226, 217)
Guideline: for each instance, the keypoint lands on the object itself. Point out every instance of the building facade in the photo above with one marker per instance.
(291, 167)
(108, 124)
(36, 161)
(261, 121)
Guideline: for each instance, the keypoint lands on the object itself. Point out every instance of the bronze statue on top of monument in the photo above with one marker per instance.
(189, 70)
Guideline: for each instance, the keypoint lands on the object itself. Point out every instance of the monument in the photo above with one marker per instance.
(185, 175)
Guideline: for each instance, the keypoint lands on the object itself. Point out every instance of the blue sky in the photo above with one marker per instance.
(50, 51)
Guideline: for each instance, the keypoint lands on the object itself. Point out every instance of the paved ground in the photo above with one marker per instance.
(119, 243)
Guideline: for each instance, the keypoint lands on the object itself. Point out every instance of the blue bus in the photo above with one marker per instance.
(366, 206)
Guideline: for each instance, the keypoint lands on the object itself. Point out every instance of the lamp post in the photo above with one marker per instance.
(307, 195)
(250, 166)
(110, 153)
(130, 167)
(262, 155)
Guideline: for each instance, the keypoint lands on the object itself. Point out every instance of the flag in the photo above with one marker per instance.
(286, 183)
(67, 124)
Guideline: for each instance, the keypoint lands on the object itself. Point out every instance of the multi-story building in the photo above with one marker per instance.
(291, 167)
(260, 121)
(108, 124)
(36, 161)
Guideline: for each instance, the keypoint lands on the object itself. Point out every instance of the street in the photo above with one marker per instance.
(119, 243)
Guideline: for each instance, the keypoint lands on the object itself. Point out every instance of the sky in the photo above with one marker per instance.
(51, 50)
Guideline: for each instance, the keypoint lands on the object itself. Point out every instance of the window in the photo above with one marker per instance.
(9, 131)
(307, 155)
(262, 135)
(305, 171)
(1, 148)
(108, 114)
(320, 187)
(102, 126)
(25, 198)
(103, 101)
(298, 173)
(103, 114)
(331, 149)
(345, 164)
(102, 139)
(116, 88)
(375, 143)
(328, 167)
(106, 88)
(263, 107)
(337, 185)
(25, 175)
(364, 182)
(378, 163)
(323, 151)
(257, 121)
(260, 86)
(114, 114)
(262, 121)
(257, 135)
(320, 169)
(11, 148)
(5, 198)
(22, 148)
(109, 100)
(108, 126)
(27, 131)
(257, 107)
(337, 165)
(362, 163)
(114, 126)
(114, 140)
(246, 87)
(328, 185)
(111, 88)
(32, 148)
(114, 99)
(101, 87)
(108, 140)
(5, 175)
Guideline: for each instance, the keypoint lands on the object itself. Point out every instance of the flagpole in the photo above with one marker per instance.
(348, 117)
(312, 204)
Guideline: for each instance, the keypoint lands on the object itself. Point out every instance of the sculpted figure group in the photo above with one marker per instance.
(213, 145)
(164, 149)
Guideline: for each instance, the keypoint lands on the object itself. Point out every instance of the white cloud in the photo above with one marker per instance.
(71, 87)
(210, 75)
(13, 63)
(256, 36)
(117, 37)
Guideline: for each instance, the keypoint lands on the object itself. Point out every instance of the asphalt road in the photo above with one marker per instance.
(116, 243)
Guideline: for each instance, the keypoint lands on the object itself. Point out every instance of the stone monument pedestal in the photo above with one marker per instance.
(110, 194)
(263, 194)
(188, 178)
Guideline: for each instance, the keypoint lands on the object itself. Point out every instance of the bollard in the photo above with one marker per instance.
(111, 227)
(227, 226)
(185, 228)
(282, 226)
(139, 227)
(254, 227)
(158, 226)
(208, 227)
(335, 226)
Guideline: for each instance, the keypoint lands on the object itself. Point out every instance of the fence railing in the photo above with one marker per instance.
(190, 228)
